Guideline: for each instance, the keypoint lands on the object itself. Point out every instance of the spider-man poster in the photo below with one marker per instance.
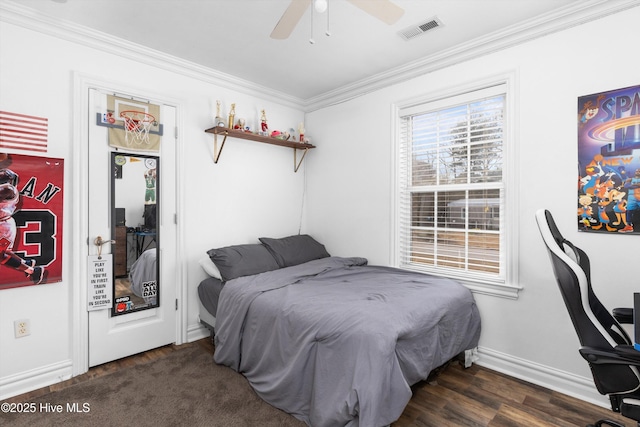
(31, 204)
(609, 161)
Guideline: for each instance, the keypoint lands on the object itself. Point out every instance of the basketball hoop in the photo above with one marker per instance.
(136, 126)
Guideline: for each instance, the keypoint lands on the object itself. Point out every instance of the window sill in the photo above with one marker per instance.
(481, 287)
(492, 289)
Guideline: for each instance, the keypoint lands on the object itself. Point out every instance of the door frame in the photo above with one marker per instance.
(79, 333)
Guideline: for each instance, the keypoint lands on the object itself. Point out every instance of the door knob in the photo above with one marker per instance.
(99, 242)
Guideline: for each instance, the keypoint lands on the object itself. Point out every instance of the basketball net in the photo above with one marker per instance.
(136, 127)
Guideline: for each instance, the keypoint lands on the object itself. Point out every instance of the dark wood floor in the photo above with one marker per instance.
(481, 397)
(457, 397)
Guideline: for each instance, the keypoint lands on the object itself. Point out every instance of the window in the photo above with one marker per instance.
(451, 189)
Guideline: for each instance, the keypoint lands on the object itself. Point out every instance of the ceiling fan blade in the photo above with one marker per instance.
(384, 10)
(290, 19)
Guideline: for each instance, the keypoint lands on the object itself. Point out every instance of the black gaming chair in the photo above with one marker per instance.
(605, 345)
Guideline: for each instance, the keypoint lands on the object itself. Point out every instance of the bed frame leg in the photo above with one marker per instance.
(470, 356)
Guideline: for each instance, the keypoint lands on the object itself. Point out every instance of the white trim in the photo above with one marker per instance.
(79, 333)
(509, 288)
(561, 19)
(573, 385)
(574, 14)
(34, 379)
(561, 381)
(511, 182)
(182, 315)
(493, 289)
(449, 100)
(197, 332)
(26, 17)
(394, 206)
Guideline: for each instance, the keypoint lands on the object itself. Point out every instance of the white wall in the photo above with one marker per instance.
(350, 196)
(252, 191)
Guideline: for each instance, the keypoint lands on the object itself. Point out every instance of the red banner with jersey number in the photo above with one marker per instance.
(31, 206)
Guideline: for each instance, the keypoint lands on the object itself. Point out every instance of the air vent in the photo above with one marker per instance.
(421, 28)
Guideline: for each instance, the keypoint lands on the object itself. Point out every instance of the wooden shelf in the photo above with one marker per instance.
(235, 133)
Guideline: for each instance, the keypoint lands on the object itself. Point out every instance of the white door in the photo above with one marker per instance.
(112, 336)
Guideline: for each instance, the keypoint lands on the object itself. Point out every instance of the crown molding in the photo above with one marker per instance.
(570, 16)
(559, 20)
(28, 18)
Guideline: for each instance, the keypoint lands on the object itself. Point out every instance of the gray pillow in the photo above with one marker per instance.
(242, 260)
(294, 250)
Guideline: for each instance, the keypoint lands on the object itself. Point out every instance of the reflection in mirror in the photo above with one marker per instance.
(134, 213)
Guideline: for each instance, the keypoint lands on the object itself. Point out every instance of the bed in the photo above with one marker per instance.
(332, 341)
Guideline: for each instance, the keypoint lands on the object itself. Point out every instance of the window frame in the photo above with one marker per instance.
(506, 286)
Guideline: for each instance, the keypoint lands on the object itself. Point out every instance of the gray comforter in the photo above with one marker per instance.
(335, 342)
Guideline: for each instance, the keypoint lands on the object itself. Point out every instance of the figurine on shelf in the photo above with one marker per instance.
(240, 124)
(219, 121)
(301, 131)
(263, 123)
(232, 114)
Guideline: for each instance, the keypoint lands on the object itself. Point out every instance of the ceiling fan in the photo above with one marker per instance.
(384, 10)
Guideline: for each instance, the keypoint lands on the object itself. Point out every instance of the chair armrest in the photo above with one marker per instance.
(621, 355)
(623, 315)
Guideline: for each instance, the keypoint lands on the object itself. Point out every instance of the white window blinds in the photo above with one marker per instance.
(451, 186)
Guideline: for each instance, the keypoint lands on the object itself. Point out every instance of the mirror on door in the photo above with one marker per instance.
(134, 213)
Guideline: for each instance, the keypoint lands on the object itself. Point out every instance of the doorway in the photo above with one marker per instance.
(155, 320)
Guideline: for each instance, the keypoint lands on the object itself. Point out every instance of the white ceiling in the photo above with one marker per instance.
(232, 36)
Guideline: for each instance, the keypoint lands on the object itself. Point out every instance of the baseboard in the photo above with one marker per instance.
(564, 382)
(196, 332)
(25, 382)
(34, 379)
(561, 381)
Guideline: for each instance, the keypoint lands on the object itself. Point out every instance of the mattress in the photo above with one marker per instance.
(209, 292)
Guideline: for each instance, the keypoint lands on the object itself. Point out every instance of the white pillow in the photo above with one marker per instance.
(209, 267)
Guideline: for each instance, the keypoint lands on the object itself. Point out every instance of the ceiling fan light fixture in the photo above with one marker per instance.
(320, 5)
(385, 10)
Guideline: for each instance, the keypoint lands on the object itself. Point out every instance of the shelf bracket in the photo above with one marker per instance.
(296, 163)
(216, 152)
(220, 130)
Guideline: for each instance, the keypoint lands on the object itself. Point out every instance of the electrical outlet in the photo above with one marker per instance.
(22, 327)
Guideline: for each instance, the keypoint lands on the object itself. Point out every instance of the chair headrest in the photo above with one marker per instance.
(553, 228)
(550, 231)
